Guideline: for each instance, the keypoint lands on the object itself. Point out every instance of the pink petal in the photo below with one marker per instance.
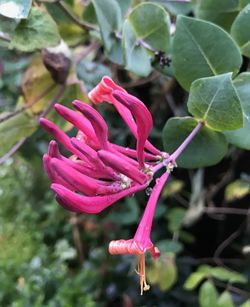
(122, 166)
(97, 121)
(142, 117)
(103, 90)
(81, 182)
(79, 203)
(78, 121)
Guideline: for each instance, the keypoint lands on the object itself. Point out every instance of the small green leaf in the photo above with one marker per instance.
(168, 275)
(37, 32)
(215, 101)
(237, 190)
(239, 33)
(195, 55)
(109, 17)
(14, 129)
(225, 300)
(136, 58)
(207, 148)
(193, 280)
(150, 23)
(16, 9)
(176, 8)
(246, 304)
(241, 137)
(175, 217)
(169, 246)
(220, 12)
(208, 295)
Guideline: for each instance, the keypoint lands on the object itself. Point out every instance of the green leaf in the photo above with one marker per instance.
(16, 9)
(175, 217)
(202, 49)
(136, 58)
(91, 73)
(222, 274)
(150, 23)
(225, 300)
(37, 32)
(193, 280)
(207, 148)
(239, 33)
(241, 137)
(208, 295)
(169, 246)
(220, 12)
(109, 17)
(237, 190)
(243, 3)
(14, 129)
(215, 100)
(246, 304)
(176, 8)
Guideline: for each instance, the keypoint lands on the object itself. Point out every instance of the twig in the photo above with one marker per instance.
(86, 51)
(82, 24)
(229, 240)
(143, 81)
(13, 150)
(53, 100)
(225, 210)
(28, 105)
(232, 288)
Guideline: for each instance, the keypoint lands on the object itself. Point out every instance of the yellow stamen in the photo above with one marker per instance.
(141, 271)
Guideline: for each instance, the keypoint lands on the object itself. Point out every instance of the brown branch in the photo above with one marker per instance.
(225, 210)
(86, 51)
(232, 288)
(54, 99)
(12, 151)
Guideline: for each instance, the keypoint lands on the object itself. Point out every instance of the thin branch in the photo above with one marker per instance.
(54, 99)
(28, 105)
(225, 210)
(82, 24)
(13, 150)
(232, 288)
(86, 51)
(143, 81)
(229, 240)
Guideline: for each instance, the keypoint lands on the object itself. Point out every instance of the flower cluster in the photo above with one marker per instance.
(98, 173)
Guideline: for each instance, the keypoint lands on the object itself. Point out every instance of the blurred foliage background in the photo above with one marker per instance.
(50, 257)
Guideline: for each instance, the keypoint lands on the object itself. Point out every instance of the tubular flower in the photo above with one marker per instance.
(98, 173)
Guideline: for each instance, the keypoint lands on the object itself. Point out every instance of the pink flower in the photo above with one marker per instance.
(98, 173)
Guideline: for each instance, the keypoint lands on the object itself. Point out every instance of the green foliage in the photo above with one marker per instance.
(241, 137)
(238, 32)
(215, 101)
(207, 148)
(208, 295)
(36, 32)
(194, 55)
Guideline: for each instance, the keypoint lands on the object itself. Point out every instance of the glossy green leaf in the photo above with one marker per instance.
(225, 300)
(237, 190)
(193, 280)
(176, 8)
(14, 129)
(150, 23)
(136, 58)
(222, 274)
(168, 275)
(207, 148)
(220, 12)
(36, 32)
(215, 100)
(208, 295)
(16, 9)
(241, 137)
(202, 49)
(239, 33)
(109, 17)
